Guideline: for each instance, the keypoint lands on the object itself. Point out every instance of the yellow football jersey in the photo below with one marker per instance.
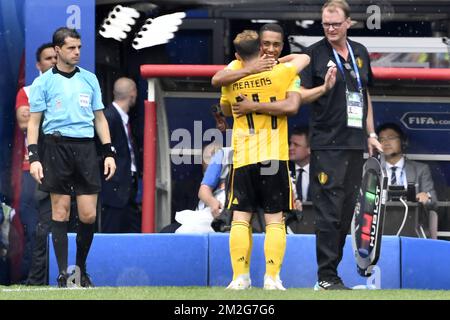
(293, 86)
(259, 137)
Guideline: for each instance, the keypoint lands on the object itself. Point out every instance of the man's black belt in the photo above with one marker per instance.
(57, 137)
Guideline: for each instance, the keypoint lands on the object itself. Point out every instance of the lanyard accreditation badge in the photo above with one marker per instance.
(355, 105)
(354, 99)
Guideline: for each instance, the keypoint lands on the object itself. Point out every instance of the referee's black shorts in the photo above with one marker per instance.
(263, 185)
(70, 166)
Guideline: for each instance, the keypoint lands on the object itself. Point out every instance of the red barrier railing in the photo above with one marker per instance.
(187, 70)
(149, 167)
(427, 74)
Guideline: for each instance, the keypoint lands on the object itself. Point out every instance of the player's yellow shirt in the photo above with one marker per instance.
(260, 137)
(293, 86)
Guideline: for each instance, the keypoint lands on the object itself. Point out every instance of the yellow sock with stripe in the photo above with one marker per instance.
(239, 247)
(249, 252)
(274, 248)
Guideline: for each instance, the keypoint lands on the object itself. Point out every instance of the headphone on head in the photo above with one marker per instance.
(393, 126)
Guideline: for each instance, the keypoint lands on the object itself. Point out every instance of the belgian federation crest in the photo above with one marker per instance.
(323, 178)
(359, 62)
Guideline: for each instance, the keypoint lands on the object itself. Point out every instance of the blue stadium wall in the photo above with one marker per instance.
(203, 260)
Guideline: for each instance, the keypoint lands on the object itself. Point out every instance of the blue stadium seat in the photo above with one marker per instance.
(425, 264)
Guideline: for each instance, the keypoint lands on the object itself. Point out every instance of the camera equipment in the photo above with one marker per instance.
(397, 192)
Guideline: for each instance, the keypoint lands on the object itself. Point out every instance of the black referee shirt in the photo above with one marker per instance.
(328, 121)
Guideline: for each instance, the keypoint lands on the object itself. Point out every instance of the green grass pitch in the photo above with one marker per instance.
(210, 293)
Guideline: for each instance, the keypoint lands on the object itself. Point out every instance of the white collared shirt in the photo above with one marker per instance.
(399, 172)
(125, 118)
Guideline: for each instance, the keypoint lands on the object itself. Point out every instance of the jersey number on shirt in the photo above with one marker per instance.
(274, 118)
(250, 123)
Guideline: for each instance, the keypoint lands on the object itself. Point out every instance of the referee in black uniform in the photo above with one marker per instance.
(341, 127)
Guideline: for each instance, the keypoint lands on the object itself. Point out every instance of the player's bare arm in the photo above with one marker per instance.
(372, 142)
(36, 170)
(102, 129)
(226, 76)
(288, 106)
(205, 193)
(23, 116)
(226, 109)
(301, 61)
(310, 95)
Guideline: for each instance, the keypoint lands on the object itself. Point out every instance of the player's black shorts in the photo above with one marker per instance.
(262, 185)
(70, 166)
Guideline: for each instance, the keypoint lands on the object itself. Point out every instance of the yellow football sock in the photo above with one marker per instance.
(239, 247)
(249, 252)
(274, 248)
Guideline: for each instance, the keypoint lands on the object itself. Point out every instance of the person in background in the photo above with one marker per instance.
(299, 156)
(402, 171)
(199, 219)
(341, 128)
(212, 189)
(29, 205)
(211, 193)
(120, 213)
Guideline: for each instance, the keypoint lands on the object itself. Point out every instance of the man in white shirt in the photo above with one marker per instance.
(402, 171)
(120, 212)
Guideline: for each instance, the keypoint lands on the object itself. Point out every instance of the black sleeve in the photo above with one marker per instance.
(306, 74)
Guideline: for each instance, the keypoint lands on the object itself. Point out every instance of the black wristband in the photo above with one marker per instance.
(33, 154)
(108, 150)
